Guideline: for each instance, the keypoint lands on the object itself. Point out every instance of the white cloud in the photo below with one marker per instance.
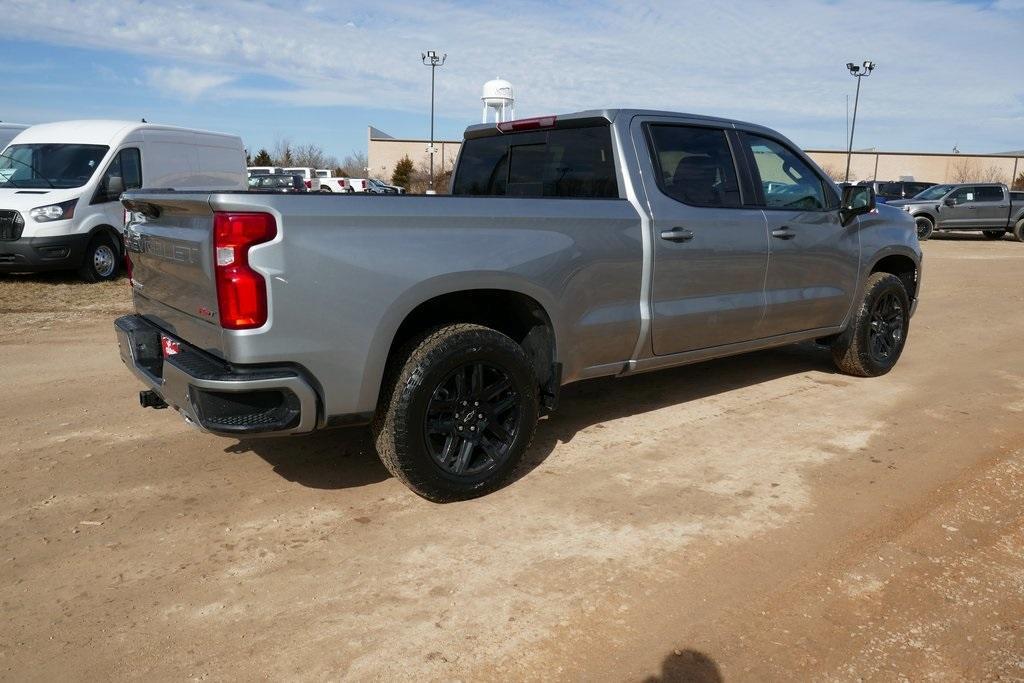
(947, 71)
(186, 83)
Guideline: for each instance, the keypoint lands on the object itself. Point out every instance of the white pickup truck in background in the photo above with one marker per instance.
(331, 183)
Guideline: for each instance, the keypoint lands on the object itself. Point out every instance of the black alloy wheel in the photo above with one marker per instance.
(885, 334)
(472, 419)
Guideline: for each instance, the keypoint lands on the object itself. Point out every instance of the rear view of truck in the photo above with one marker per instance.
(192, 275)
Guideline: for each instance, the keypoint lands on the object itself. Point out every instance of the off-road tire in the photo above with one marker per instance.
(413, 380)
(993, 234)
(96, 262)
(925, 227)
(852, 349)
(1018, 230)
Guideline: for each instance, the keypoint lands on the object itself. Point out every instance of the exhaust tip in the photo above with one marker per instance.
(151, 399)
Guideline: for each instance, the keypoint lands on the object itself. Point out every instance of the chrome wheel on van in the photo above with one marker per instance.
(104, 261)
(100, 261)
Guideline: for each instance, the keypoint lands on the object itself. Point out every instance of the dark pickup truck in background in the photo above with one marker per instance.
(988, 207)
(600, 243)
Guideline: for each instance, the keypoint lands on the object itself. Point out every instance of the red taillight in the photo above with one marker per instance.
(527, 124)
(309, 184)
(241, 291)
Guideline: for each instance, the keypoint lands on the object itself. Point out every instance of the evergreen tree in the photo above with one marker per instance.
(262, 158)
(403, 172)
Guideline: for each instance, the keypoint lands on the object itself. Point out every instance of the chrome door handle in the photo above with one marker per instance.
(677, 235)
(783, 234)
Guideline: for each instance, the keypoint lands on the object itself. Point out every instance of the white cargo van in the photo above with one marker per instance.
(8, 131)
(60, 183)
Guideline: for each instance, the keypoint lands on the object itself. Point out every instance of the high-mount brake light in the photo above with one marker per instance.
(536, 123)
(241, 291)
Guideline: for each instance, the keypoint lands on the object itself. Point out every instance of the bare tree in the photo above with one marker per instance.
(283, 154)
(419, 180)
(354, 165)
(834, 173)
(313, 156)
(968, 171)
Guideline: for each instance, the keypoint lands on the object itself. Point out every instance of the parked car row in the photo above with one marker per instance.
(324, 180)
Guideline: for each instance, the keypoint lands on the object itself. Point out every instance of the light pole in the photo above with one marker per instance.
(430, 58)
(859, 72)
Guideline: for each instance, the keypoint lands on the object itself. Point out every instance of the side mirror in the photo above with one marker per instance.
(115, 186)
(857, 200)
(949, 201)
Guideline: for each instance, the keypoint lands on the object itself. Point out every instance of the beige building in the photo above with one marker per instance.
(383, 152)
(927, 167)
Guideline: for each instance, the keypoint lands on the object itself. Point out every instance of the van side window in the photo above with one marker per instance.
(694, 165)
(131, 168)
(126, 166)
(788, 182)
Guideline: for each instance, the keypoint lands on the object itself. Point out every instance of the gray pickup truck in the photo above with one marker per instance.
(988, 207)
(599, 243)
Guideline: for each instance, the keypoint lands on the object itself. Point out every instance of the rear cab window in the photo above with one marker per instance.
(563, 162)
(695, 165)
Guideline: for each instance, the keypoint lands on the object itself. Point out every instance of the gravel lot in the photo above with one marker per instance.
(753, 518)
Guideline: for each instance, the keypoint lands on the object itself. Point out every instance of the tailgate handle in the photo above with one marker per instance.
(677, 235)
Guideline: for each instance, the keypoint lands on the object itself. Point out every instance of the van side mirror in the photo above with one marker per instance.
(115, 186)
(857, 200)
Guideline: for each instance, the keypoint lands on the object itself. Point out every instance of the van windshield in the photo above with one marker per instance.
(49, 165)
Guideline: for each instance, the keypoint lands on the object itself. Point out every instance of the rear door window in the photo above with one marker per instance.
(570, 162)
(695, 165)
(989, 194)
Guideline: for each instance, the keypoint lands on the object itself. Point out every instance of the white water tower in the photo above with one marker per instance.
(498, 98)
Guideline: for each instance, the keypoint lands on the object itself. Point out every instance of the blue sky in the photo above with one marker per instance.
(949, 72)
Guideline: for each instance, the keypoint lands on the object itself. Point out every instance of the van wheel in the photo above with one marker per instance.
(1018, 230)
(993, 234)
(873, 341)
(925, 227)
(100, 261)
(326, 189)
(458, 412)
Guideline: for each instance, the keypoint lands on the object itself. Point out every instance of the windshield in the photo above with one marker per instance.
(49, 165)
(935, 192)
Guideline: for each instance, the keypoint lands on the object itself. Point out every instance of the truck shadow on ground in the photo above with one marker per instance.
(346, 458)
(690, 666)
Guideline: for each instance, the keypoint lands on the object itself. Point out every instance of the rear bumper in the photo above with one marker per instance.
(216, 396)
(33, 254)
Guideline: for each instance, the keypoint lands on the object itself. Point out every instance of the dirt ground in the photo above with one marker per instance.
(753, 518)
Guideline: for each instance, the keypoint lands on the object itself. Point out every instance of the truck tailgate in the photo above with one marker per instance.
(169, 239)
